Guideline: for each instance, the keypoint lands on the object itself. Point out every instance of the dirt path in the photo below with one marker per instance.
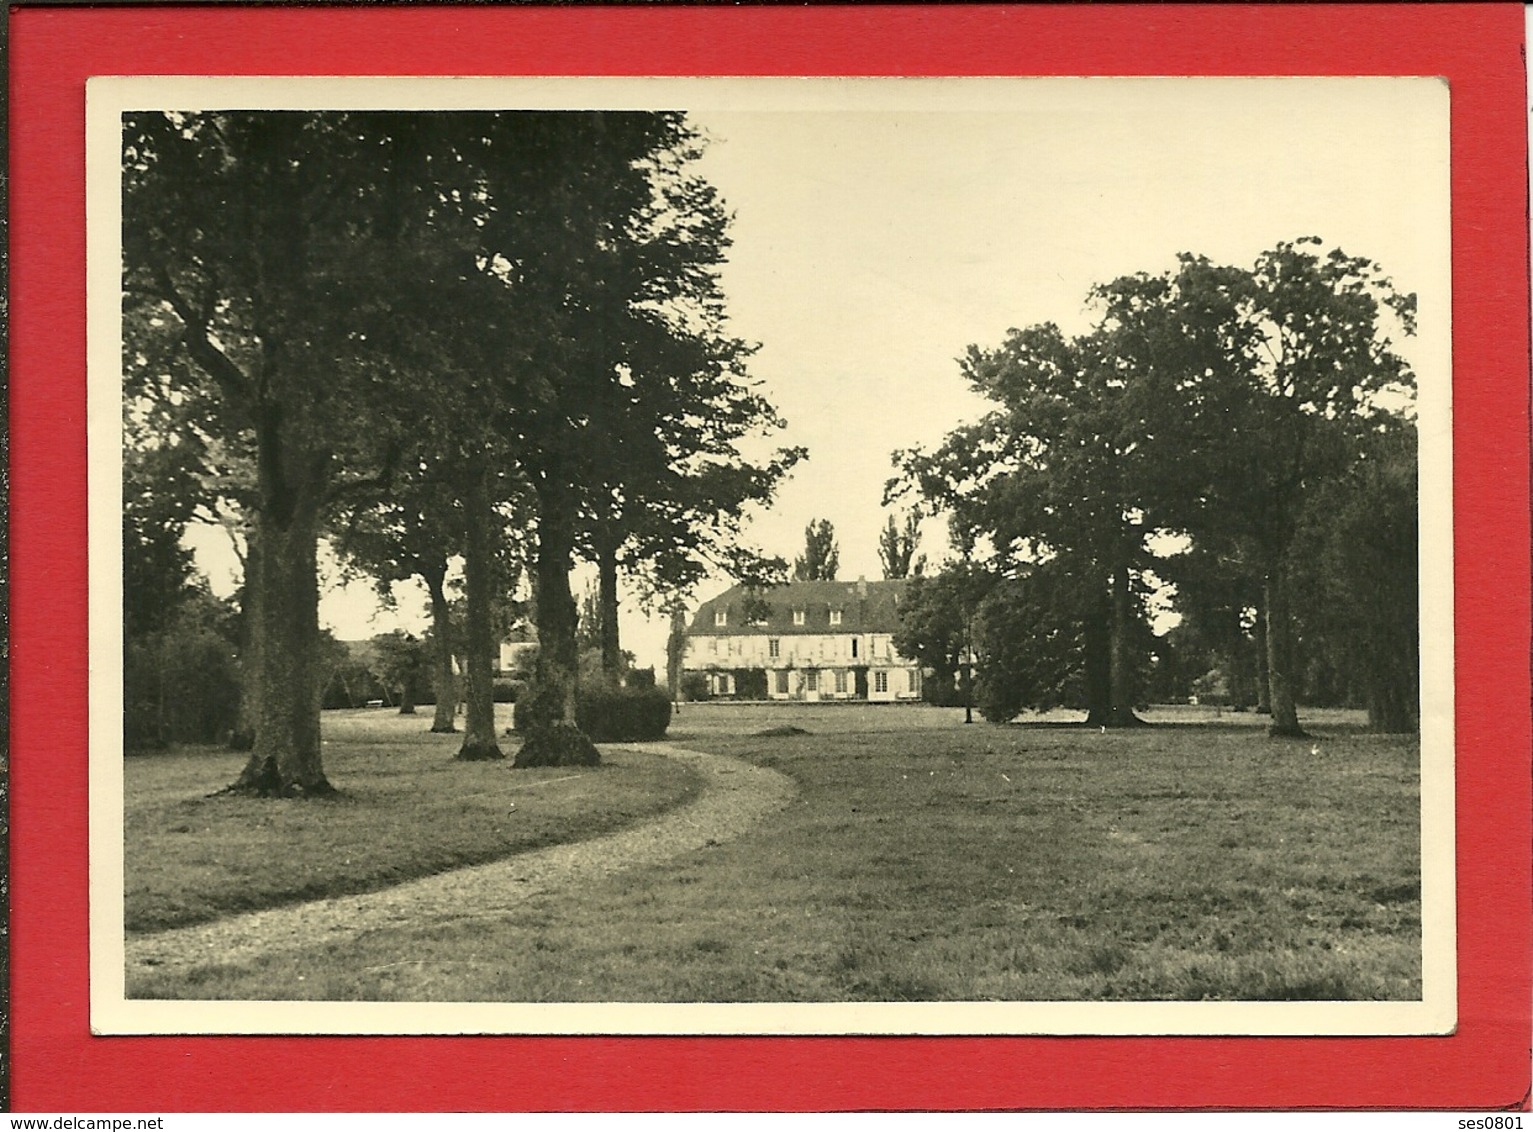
(735, 796)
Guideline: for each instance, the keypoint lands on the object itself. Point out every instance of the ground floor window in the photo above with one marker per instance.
(913, 679)
(840, 679)
(812, 680)
(880, 681)
(723, 684)
(782, 681)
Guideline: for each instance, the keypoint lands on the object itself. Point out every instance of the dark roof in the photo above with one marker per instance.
(866, 607)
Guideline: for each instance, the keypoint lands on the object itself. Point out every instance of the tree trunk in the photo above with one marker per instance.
(553, 738)
(285, 758)
(611, 646)
(1285, 713)
(443, 680)
(478, 629)
(242, 738)
(1263, 679)
(1121, 708)
(407, 694)
(558, 663)
(1394, 689)
(1097, 642)
(675, 652)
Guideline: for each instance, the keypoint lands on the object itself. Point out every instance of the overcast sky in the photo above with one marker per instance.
(882, 226)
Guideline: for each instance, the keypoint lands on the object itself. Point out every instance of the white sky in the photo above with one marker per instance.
(876, 237)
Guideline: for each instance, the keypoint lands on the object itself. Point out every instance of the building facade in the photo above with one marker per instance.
(803, 641)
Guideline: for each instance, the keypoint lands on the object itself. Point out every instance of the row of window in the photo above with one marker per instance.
(838, 680)
(879, 646)
(723, 683)
(774, 647)
(721, 617)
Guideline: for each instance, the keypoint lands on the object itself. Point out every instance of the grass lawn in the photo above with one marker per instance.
(928, 860)
(407, 809)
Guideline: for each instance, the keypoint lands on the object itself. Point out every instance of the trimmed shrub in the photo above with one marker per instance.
(694, 687)
(623, 715)
(605, 713)
(506, 691)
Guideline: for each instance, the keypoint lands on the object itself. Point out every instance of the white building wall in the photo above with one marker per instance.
(798, 654)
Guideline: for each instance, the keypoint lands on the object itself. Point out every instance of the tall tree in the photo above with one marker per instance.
(672, 483)
(939, 614)
(1057, 473)
(1356, 554)
(595, 226)
(897, 545)
(822, 557)
(261, 246)
(1306, 369)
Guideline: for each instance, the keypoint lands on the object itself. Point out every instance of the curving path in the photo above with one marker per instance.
(734, 797)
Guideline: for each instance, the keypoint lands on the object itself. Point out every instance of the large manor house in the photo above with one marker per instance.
(803, 641)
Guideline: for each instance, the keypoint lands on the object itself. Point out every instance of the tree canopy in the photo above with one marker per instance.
(1222, 411)
(822, 557)
(421, 329)
(897, 544)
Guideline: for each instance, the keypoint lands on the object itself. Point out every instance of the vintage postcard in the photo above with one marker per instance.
(771, 556)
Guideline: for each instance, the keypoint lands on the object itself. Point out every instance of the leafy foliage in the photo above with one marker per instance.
(420, 331)
(181, 679)
(1030, 645)
(897, 546)
(1224, 407)
(623, 715)
(937, 624)
(1356, 554)
(822, 557)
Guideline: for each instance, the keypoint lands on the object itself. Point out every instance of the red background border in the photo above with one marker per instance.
(58, 1066)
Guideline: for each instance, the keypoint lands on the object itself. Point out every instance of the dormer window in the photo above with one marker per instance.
(835, 617)
(721, 617)
(798, 616)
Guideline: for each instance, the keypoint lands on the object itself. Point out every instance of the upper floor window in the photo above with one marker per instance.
(854, 648)
(798, 616)
(721, 617)
(774, 647)
(835, 617)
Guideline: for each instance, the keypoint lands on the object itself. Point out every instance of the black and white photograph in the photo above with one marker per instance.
(729, 556)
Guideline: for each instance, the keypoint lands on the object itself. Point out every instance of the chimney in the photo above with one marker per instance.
(862, 586)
